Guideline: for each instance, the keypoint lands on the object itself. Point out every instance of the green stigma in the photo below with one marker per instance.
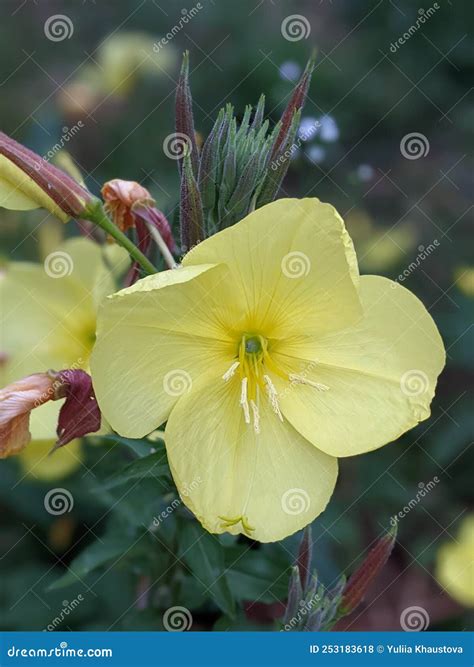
(253, 344)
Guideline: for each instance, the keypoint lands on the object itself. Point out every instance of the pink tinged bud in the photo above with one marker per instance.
(304, 558)
(80, 413)
(28, 181)
(295, 104)
(131, 206)
(184, 114)
(191, 216)
(359, 582)
(16, 402)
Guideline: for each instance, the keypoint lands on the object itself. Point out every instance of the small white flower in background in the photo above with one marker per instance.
(365, 172)
(290, 70)
(316, 154)
(329, 130)
(308, 128)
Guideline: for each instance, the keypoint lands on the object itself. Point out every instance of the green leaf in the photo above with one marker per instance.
(99, 553)
(241, 624)
(257, 574)
(152, 466)
(204, 556)
(139, 447)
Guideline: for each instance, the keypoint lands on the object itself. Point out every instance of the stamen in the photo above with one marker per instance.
(244, 401)
(228, 522)
(256, 416)
(231, 372)
(299, 379)
(273, 396)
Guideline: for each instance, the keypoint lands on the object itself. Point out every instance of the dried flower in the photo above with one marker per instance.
(131, 206)
(78, 416)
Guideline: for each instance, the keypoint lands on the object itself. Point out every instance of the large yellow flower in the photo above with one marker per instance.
(269, 357)
(455, 564)
(47, 321)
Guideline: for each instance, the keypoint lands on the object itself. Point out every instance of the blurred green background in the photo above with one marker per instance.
(107, 79)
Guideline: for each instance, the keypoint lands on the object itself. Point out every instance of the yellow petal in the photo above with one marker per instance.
(46, 322)
(455, 565)
(154, 340)
(44, 421)
(48, 315)
(19, 192)
(49, 310)
(381, 373)
(292, 268)
(95, 266)
(267, 485)
(37, 462)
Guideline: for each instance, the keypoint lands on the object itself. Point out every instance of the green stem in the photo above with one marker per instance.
(97, 215)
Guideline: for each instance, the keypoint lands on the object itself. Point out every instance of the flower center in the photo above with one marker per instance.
(254, 365)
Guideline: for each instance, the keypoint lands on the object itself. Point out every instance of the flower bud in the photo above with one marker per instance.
(360, 580)
(28, 181)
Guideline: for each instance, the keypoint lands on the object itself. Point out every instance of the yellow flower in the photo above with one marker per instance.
(379, 248)
(47, 321)
(455, 564)
(464, 278)
(269, 357)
